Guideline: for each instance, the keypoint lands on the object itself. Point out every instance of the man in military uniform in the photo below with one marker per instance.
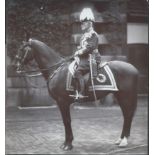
(88, 45)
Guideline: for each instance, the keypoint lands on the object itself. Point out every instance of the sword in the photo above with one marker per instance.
(91, 76)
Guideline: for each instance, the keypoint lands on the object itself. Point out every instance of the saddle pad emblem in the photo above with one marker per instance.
(101, 78)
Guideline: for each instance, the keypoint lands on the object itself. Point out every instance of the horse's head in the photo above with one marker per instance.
(24, 55)
(44, 56)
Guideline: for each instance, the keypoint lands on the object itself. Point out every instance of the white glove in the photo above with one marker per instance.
(76, 53)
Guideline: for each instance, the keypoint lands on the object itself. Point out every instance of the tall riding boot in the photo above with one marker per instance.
(82, 86)
(76, 86)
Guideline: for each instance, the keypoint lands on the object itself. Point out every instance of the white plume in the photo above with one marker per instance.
(87, 14)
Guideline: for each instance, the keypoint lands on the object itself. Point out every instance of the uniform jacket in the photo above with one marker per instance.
(88, 45)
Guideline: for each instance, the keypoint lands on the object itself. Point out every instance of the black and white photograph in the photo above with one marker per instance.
(77, 77)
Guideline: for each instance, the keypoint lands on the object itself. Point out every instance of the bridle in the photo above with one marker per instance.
(25, 55)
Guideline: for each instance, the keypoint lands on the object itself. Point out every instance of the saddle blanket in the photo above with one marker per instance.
(104, 81)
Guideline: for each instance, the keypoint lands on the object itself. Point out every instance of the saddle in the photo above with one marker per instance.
(103, 81)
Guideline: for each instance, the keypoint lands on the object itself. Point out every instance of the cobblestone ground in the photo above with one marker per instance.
(40, 131)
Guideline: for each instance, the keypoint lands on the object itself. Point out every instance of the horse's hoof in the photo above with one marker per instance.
(66, 147)
(118, 141)
(124, 142)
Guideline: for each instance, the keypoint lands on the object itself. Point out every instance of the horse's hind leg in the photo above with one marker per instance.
(128, 103)
(65, 113)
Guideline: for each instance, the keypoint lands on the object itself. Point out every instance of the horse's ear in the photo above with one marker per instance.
(27, 34)
(25, 43)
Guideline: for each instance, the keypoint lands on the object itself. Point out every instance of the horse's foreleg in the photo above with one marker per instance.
(65, 113)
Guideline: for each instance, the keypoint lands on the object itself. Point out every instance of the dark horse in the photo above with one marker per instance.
(48, 60)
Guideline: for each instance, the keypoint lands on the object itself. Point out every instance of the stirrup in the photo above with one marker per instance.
(77, 95)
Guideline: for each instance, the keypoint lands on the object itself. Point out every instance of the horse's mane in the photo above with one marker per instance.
(39, 45)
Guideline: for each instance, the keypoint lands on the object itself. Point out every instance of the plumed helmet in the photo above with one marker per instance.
(87, 15)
